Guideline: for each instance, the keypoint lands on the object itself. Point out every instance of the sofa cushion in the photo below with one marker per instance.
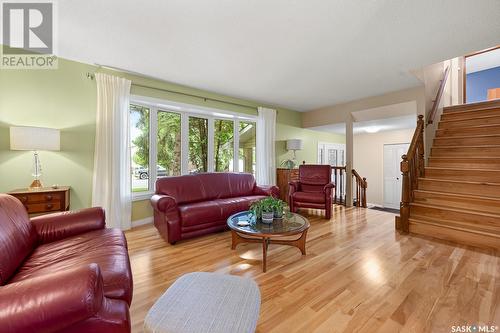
(232, 206)
(315, 197)
(17, 236)
(200, 213)
(105, 247)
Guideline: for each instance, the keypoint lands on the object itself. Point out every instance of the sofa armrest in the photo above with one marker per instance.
(293, 187)
(269, 190)
(51, 302)
(57, 226)
(163, 203)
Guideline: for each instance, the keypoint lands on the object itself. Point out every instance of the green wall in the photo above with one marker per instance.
(65, 98)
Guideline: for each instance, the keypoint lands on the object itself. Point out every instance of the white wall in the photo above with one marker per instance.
(369, 159)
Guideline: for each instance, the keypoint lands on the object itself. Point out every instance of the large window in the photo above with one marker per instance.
(169, 144)
(247, 147)
(139, 134)
(198, 145)
(178, 141)
(224, 145)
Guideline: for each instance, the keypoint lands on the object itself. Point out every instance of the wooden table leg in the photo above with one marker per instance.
(301, 242)
(264, 254)
(234, 239)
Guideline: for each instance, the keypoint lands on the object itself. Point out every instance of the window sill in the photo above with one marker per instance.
(139, 196)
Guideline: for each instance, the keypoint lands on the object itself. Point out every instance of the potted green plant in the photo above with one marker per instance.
(264, 209)
(278, 208)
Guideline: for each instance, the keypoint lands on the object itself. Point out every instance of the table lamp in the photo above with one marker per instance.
(294, 144)
(35, 139)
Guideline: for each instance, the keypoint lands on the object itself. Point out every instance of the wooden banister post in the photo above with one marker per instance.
(365, 185)
(420, 146)
(404, 210)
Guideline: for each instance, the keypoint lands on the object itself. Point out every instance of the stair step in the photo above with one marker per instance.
(466, 151)
(475, 175)
(458, 234)
(458, 115)
(471, 219)
(492, 163)
(469, 202)
(472, 106)
(467, 140)
(460, 187)
(485, 120)
(468, 131)
(467, 114)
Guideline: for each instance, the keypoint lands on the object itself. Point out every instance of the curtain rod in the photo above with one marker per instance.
(91, 76)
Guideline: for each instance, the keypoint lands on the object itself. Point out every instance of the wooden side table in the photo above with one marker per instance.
(45, 200)
(283, 177)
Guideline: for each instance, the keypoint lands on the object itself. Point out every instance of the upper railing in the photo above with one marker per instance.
(412, 167)
(361, 186)
(339, 197)
(439, 95)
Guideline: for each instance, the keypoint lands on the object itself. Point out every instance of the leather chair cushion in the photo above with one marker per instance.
(315, 174)
(105, 247)
(17, 236)
(313, 197)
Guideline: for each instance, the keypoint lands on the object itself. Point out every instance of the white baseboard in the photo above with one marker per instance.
(137, 223)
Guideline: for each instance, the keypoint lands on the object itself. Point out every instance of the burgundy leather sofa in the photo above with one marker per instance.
(63, 272)
(313, 189)
(194, 205)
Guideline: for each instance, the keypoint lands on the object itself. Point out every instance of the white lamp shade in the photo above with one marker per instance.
(34, 138)
(294, 144)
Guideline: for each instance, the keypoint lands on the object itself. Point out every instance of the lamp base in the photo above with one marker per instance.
(35, 185)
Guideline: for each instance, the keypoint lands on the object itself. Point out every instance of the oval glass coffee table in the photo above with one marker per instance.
(257, 232)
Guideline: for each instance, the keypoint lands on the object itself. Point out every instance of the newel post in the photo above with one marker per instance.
(420, 146)
(404, 210)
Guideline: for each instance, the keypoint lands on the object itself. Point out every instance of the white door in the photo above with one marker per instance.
(392, 174)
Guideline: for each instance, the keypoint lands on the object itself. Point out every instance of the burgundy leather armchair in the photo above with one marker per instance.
(62, 272)
(313, 189)
(194, 205)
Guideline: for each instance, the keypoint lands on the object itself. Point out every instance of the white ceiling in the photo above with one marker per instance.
(297, 54)
(372, 126)
(483, 61)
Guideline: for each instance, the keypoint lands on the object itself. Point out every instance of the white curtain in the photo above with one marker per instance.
(111, 181)
(266, 157)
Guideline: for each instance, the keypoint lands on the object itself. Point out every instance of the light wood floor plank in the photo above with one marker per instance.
(359, 275)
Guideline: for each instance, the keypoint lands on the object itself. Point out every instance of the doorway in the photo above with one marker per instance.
(331, 153)
(481, 76)
(392, 174)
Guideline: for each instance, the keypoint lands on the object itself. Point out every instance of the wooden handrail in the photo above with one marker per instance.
(412, 167)
(361, 185)
(439, 95)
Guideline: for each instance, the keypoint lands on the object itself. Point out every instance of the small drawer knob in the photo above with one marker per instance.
(24, 198)
(48, 197)
(48, 206)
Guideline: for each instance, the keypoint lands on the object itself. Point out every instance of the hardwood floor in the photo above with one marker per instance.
(359, 275)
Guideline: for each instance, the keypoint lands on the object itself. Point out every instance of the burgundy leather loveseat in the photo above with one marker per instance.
(63, 272)
(194, 205)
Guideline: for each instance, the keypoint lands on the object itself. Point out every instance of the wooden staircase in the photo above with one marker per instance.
(458, 196)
